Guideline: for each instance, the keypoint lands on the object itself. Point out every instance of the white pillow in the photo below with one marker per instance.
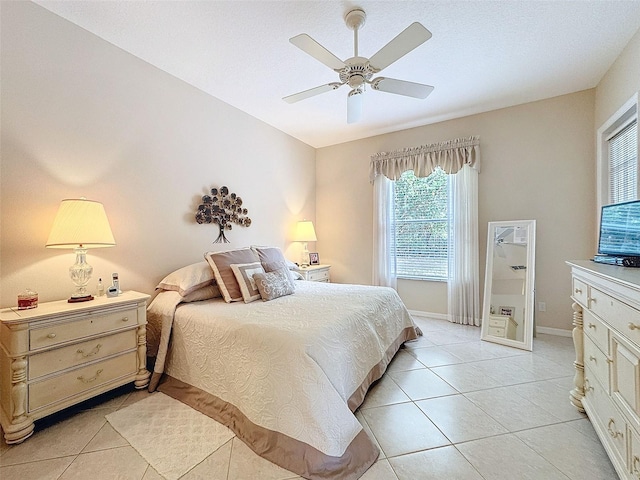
(244, 275)
(188, 279)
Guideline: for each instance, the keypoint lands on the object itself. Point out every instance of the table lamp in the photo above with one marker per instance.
(305, 233)
(80, 224)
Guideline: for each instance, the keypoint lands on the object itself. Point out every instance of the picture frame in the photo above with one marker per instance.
(314, 259)
(508, 311)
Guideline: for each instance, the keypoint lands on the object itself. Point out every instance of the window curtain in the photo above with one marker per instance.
(451, 156)
(384, 263)
(463, 289)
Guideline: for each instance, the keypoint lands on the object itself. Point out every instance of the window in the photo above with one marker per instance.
(623, 163)
(617, 167)
(421, 226)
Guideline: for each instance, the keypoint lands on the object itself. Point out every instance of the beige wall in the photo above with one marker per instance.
(81, 117)
(537, 163)
(620, 82)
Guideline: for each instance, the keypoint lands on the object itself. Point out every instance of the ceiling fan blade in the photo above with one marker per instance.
(401, 87)
(308, 45)
(354, 106)
(296, 97)
(411, 37)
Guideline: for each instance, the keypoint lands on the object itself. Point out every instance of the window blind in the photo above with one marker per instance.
(421, 225)
(623, 164)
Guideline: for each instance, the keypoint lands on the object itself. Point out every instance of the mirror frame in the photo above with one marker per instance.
(527, 343)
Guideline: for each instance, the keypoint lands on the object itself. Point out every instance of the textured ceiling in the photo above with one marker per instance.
(483, 54)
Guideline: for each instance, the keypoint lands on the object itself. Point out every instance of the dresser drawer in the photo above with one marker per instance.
(616, 313)
(625, 377)
(597, 362)
(92, 325)
(579, 291)
(611, 420)
(597, 331)
(81, 379)
(319, 276)
(634, 455)
(73, 355)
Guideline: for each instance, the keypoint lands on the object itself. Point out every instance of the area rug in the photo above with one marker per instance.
(168, 434)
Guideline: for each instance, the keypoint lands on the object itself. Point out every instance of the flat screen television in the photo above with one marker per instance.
(620, 229)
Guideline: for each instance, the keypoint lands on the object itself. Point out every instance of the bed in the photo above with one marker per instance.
(285, 375)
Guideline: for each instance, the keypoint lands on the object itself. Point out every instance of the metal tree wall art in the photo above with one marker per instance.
(223, 209)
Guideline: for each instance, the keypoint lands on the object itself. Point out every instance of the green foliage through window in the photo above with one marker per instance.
(421, 226)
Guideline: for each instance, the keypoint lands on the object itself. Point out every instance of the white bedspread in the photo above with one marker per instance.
(290, 365)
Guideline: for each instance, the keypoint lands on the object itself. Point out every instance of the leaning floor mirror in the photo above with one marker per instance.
(509, 285)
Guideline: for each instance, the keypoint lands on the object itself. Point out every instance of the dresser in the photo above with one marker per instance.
(315, 273)
(60, 353)
(606, 335)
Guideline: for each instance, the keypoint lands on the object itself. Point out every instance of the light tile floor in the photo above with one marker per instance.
(449, 407)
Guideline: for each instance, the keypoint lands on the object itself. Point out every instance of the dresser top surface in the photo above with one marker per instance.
(625, 275)
(13, 315)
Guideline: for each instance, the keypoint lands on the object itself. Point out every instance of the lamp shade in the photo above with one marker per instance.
(305, 232)
(80, 223)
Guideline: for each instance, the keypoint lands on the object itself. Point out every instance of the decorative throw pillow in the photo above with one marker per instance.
(204, 293)
(272, 259)
(244, 276)
(188, 279)
(221, 265)
(273, 284)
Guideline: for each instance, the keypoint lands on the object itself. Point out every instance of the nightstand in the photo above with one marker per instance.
(315, 273)
(60, 353)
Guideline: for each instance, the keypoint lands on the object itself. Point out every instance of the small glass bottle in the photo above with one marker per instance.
(100, 287)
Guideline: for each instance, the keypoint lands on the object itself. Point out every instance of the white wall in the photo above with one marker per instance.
(537, 163)
(80, 117)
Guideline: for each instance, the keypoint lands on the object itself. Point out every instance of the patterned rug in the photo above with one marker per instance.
(171, 436)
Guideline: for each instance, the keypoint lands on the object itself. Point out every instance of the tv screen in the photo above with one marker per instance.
(620, 229)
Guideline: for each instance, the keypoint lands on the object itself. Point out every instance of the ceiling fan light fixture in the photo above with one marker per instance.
(357, 71)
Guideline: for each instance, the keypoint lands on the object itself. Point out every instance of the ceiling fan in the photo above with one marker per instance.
(357, 72)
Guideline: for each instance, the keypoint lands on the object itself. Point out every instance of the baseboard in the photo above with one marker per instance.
(443, 316)
(434, 316)
(560, 332)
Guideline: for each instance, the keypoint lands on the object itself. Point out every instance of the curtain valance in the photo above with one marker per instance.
(451, 156)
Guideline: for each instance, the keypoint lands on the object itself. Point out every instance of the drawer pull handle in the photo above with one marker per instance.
(611, 430)
(578, 291)
(587, 385)
(95, 377)
(593, 300)
(592, 325)
(91, 353)
(633, 326)
(125, 319)
(636, 460)
(51, 335)
(593, 359)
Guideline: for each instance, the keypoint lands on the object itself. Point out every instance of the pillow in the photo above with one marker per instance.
(272, 259)
(204, 293)
(221, 265)
(244, 276)
(188, 279)
(273, 284)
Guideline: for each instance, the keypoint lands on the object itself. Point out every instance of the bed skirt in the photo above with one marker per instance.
(291, 454)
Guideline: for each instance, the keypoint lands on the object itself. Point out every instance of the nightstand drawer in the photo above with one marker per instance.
(497, 332)
(318, 276)
(79, 380)
(92, 325)
(73, 355)
(498, 322)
